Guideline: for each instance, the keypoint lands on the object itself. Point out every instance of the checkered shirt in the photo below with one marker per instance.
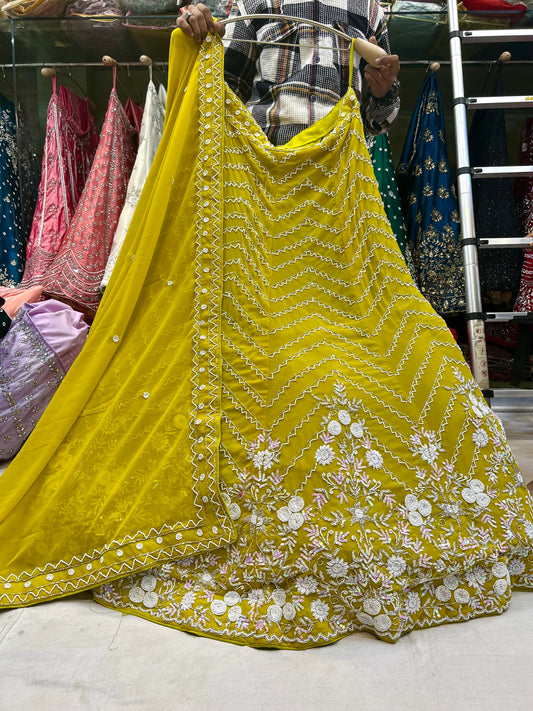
(287, 88)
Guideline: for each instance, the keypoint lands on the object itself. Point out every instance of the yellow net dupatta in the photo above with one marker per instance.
(121, 472)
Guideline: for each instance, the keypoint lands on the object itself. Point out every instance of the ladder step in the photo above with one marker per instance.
(497, 35)
(508, 242)
(503, 171)
(509, 393)
(522, 316)
(499, 102)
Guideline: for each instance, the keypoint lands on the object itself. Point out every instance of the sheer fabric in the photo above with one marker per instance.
(69, 147)
(150, 132)
(267, 417)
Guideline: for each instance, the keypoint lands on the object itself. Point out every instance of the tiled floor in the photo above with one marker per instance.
(75, 655)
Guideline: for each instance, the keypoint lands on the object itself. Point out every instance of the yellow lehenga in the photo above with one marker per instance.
(270, 436)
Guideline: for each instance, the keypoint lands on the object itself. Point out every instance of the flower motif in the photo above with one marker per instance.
(474, 494)
(289, 611)
(461, 596)
(396, 565)
(306, 584)
(382, 623)
(357, 429)
(500, 586)
(234, 613)
(145, 593)
(291, 513)
(296, 503)
(263, 459)
(477, 576)
(218, 607)
(279, 596)
(516, 566)
(412, 602)
(374, 459)
(451, 582)
(234, 511)
(372, 606)
(499, 570)
(274, 613)
(337, 567)
(296, 520)
(480, 438)
(324, 455)
(443, 593)
(364, 618)
(429, 449)
(344, 417)
(232, 597)
(187, 601)
(334, 428)
(320, 610)
(417, 509)
(358, 514)
(479, 406)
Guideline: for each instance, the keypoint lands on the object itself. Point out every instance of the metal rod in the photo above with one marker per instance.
(40, 65)
(475, 327)
(288, 18)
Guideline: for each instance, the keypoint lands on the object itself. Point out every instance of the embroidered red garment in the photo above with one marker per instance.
(70, 144)
(75, 274)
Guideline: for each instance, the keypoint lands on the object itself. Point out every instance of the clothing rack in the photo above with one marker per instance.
(66, 65)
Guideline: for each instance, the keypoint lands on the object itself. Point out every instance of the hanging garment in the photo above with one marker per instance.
(494, 206)
(381, 156)
(430, 204)
(15, 300)
(150, 133)
(69, 147)
(523, 190)
(77, 270)
(5, 319)
(39, 348)
(267, 415)
(11, 221)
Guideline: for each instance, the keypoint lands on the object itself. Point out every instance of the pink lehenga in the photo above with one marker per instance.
(69, 148)
(76, 272)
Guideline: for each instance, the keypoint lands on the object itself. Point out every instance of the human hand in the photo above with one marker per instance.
(381, 77)
(196, 21)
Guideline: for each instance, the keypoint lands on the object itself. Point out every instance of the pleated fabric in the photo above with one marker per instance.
(76, 271)
(270, 437)
(150, 132)
(69, 148)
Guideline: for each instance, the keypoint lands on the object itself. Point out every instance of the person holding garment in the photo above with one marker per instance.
(289, 87)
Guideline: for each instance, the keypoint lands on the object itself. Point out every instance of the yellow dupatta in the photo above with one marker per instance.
(109, 481)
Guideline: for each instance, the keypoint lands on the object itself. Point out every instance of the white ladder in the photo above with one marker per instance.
(475, 316)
